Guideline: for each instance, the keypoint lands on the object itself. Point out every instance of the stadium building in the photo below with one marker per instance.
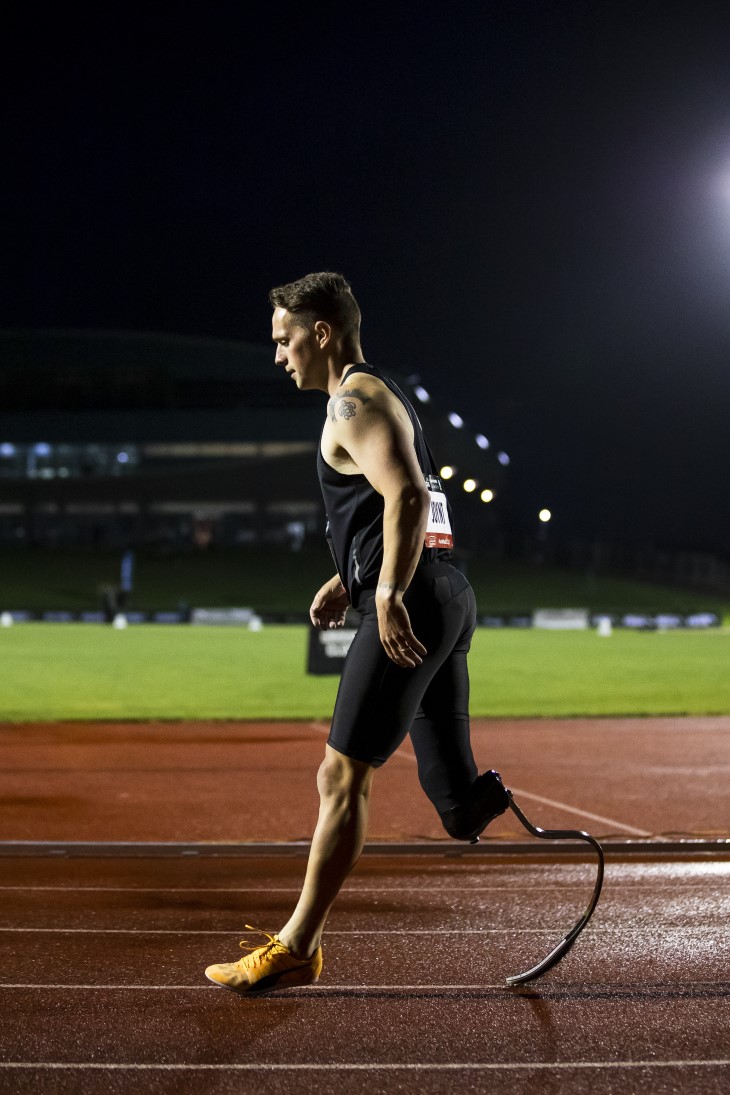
(110, 438)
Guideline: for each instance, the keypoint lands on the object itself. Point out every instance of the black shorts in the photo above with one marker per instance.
(378, 703)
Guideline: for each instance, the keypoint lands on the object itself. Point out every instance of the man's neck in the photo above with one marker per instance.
(338, 370)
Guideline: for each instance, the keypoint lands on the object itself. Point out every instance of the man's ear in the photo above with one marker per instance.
(322, 332)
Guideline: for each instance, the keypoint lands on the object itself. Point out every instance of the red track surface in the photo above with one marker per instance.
(102, 957)
(239, 781)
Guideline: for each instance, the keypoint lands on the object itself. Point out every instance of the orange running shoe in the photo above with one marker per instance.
(269, 966)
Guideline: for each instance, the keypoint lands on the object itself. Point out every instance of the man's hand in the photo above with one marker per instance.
(394, 624)
(330, 604)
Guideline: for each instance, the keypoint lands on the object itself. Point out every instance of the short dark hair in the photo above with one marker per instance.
(325, 295)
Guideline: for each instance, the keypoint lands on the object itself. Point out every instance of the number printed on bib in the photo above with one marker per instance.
(438, 529)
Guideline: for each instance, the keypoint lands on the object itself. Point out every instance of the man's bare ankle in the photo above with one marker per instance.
(300, 949)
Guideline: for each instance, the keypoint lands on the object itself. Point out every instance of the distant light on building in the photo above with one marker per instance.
(481, 441)
(470, 485)
(7, 449)
(487, 495)
(42, 449)
(422, 394)
(503, 458)
(447, 472)
(544, 515)
(123, 457)
(456, 420)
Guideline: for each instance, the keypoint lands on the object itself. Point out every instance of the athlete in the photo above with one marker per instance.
(389, 526)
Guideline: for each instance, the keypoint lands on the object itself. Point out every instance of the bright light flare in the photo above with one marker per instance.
(456, 420)
(481, 441)
(421, 393)
(447, 472)
(544, 515)
(470, 485)
(487, 495)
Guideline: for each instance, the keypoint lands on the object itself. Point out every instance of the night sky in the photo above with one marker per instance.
(531, 201)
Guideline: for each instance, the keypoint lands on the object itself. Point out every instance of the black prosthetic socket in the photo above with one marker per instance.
(488, 800)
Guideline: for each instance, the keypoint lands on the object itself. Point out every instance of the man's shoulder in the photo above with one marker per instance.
(366, 381)
(361, 392)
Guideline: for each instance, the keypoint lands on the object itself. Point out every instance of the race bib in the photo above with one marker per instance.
(438, 529)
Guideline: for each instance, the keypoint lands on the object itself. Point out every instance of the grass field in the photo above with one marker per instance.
(278, 580)
(87, 671)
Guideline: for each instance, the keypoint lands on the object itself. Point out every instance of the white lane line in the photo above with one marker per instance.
(113, 988)
(714, 872)
(639, 991)
(436, 891)
(581, 812)
(404, 755)
(304, 991)
(316, 988)
(287, 889)
(665, 928)
(242, 931)
(368, 1066)
(351, 890)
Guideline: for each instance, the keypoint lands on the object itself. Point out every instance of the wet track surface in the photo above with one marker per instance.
(103, 944)
(103, 980)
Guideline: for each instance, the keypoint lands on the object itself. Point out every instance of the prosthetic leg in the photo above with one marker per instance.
(492, 798)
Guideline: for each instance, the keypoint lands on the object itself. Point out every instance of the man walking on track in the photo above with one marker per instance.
(390, 531)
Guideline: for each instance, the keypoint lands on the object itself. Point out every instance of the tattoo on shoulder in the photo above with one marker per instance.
(340, 404)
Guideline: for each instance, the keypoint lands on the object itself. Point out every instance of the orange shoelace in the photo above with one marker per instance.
(259, 951)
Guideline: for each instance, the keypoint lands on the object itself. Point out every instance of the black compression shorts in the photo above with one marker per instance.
(378, 702)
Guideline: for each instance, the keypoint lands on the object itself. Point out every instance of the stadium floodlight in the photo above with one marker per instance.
(470, 485)
(481, 441)
(544, 515)
(447, 472)
(42, 449)
(7, 449)
(487, 495)
(421, 393)
(456, 420)
(503, 458)
(123, 457)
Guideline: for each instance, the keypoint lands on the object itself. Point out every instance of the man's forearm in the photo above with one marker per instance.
(404, 528)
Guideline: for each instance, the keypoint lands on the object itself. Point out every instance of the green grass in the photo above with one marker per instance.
(87, 671)
(273, 579)
(277, 580)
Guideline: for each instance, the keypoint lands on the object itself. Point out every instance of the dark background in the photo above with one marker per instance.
(531, 200)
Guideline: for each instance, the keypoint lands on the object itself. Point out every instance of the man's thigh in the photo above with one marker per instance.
(376, 700)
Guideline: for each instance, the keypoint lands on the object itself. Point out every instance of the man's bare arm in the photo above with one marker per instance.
(378, 441)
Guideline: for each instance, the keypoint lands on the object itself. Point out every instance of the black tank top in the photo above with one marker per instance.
(355, 509)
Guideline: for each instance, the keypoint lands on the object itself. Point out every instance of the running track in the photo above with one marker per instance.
(104, 942)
